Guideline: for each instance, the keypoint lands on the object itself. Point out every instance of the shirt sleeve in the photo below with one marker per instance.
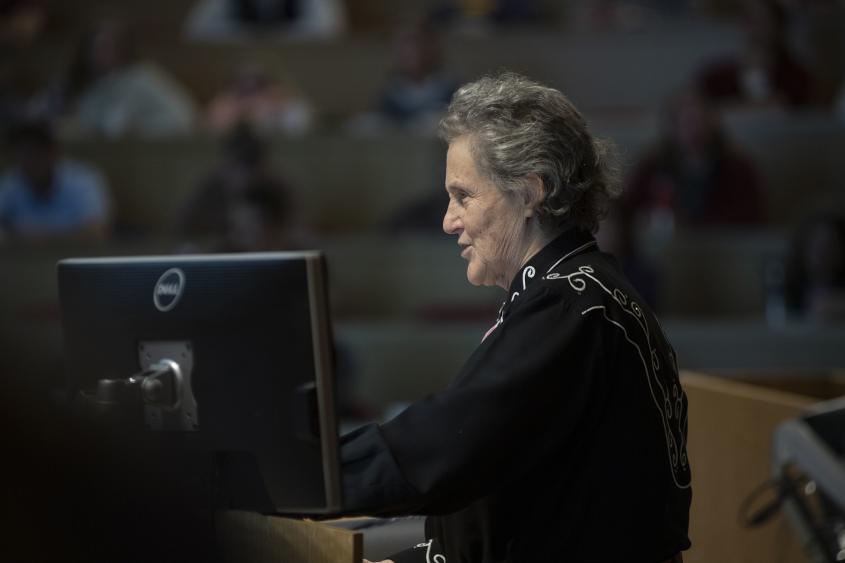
(424, 552)
(519, 398)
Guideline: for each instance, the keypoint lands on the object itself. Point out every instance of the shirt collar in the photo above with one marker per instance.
(567, 245)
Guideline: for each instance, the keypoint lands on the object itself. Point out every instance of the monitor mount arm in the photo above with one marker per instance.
(163, 386)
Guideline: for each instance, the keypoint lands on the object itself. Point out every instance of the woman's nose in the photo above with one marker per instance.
(451, 223)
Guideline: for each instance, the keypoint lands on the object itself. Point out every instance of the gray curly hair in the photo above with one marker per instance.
(519, 127)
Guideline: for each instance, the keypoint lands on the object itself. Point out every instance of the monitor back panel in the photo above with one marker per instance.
(259, 375)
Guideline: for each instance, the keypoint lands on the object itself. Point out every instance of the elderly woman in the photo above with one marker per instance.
(563, 436)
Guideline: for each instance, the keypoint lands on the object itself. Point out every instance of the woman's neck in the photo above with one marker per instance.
(535, 240)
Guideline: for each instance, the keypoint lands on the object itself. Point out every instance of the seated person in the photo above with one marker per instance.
(239, 19)
(256, 99)
(229, 193)
(693, 176)
(43, 196)
(417, 89)
(815, 270)
(111, 93)
(768, 71)
(258, 220)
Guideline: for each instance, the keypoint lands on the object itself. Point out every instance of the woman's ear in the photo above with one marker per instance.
(532, 194)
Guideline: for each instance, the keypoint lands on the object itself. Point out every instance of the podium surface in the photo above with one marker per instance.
(249, 537)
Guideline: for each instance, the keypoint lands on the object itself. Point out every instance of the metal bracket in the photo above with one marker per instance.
(177, 357)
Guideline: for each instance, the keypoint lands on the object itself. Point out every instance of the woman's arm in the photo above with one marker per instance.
(517, 399)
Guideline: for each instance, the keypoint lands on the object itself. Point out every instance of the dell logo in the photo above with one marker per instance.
(171, 289)
(168, 289)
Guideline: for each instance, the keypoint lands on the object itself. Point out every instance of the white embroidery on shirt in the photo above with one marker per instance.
(529, 271)
(675, 444)
(438, 558)
(568, 254)
(668, 401)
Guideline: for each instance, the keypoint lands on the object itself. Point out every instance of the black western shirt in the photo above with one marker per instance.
(562, 438)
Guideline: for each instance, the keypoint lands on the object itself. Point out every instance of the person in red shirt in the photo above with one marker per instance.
(694, 175)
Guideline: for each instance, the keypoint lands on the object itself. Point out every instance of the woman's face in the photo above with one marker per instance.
(489, 224)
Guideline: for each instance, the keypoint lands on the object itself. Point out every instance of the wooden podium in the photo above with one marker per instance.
(248, 537)
(731, 423)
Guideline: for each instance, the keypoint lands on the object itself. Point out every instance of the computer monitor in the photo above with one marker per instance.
(228, 355)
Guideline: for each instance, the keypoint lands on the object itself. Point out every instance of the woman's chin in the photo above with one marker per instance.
(478, 276)
(474, 276)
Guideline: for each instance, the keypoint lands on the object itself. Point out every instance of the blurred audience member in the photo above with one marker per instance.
(44, 196)
(417, 90)
(21, 21)
(242, 19)
(694, 176)
(617, 235)
(815, 270)
(110, 92)
(258, 220)
(769, 69)
(255, 98)
(241, 204)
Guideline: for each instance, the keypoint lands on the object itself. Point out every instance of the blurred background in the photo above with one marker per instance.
(138, 127)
